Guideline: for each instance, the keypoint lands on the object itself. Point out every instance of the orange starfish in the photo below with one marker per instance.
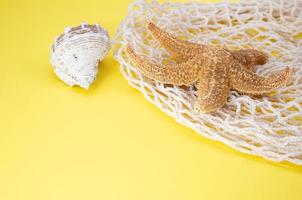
(216, 70)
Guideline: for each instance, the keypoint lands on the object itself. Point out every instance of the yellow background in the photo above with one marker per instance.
(60, 143)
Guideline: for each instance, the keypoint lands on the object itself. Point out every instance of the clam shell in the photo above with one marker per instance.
(76, 53)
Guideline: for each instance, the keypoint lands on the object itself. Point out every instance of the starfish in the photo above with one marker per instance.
(214, 70)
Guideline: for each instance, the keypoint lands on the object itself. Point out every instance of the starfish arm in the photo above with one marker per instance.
(179, 49)
(213, 90)
(250, 57)
(184, 73)
(246, 81)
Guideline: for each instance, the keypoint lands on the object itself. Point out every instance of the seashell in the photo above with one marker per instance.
(76, 53)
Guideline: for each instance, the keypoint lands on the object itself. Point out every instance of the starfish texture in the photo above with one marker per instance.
(214, 70)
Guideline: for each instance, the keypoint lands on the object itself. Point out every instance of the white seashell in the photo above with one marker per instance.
(75, 54)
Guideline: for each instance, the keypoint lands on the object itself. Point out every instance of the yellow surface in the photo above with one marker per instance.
(61, 143)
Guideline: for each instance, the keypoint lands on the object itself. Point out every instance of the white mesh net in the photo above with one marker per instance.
(269, 126)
